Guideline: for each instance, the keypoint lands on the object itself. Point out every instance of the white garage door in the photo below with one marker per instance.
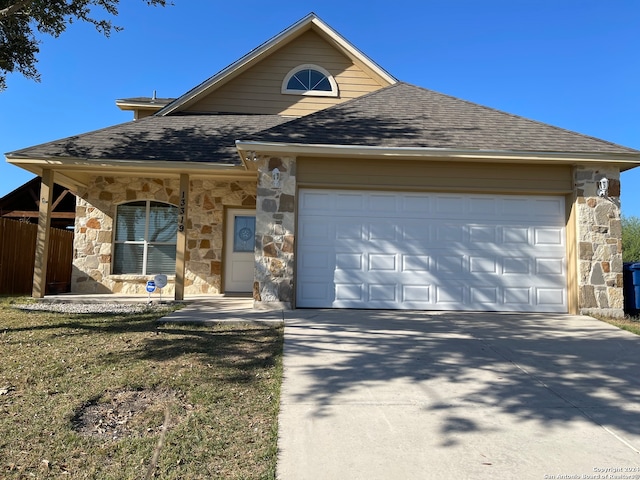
(364, 249)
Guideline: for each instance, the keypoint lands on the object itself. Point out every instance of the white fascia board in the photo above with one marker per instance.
(352, 51)
(250, 57)
(122, 105)
(71, 163)
(254, 55)
(626, 160)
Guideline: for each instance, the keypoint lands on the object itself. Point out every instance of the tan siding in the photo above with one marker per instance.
(434, 176)
(258, 89)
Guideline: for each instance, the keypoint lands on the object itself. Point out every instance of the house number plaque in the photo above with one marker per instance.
(181, 212)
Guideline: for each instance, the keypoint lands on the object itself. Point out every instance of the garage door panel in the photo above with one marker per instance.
(548, 207)
(349, 203)
(449, 206)
(483, 205)
(382, 262)
(416, 263)
(415, 205)
(348, 230)
(449, 294)
(484, 295)
(318, 202)
(549, 236)
(483, 234)
(415, 231)
(315, 230)
(416, 293)
(483, 264)
(517, 296)
(550, 266)
(382, 232)
(349, 261)
(349, 292)
(450, 233)
(315, 293)
(550, 296)
(515, 235)
(382, 292)
(316, 260)
(436, 251)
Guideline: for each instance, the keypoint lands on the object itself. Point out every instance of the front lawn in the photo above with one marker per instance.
(109, 396)
(631, 324)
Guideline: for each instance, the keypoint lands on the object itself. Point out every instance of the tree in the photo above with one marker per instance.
(630, 239)
(19, 21)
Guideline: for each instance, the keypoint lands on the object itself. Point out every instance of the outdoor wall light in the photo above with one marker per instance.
(603, 187)
(275, 176)
(252, 156)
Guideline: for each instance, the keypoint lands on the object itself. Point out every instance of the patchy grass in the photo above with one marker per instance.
(89, 396)
(631, 324)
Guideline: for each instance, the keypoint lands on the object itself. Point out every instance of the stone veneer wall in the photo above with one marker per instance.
(95, 212)
(599, 243)
(275, 228)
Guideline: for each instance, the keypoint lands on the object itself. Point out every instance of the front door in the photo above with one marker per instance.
(240, 241)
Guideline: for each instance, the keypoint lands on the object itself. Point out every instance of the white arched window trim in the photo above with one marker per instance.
(313, 93)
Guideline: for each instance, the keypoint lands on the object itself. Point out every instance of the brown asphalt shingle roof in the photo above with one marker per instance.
(188, 138)
(404, 115)
(401, 115)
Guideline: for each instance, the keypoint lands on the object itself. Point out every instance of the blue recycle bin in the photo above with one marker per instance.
(631, 279)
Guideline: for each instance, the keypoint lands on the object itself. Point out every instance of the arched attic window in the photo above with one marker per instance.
(310, 80)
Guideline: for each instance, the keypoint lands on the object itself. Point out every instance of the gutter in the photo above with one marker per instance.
(624, 160)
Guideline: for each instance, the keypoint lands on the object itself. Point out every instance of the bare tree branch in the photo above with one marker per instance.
(16, 7)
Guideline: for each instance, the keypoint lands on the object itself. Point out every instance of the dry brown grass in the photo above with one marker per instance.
(85, 396)
(631, 324)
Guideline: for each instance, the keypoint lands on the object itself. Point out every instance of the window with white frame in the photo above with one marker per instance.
(310, 79)
(145, 238)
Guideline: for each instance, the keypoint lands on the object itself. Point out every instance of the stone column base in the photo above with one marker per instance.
(603, 312)
(272, 305)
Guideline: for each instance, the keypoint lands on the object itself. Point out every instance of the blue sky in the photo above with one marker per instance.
(570, 63)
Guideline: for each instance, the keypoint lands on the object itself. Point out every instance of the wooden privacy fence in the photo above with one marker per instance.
(18, 254)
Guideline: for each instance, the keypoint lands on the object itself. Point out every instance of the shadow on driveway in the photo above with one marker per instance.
(381, 394)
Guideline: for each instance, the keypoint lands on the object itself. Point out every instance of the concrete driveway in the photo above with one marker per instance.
(423, 395)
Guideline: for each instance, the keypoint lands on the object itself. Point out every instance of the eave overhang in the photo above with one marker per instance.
(624, 161)
(73, 172)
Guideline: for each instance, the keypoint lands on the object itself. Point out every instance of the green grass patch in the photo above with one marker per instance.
(89, 396)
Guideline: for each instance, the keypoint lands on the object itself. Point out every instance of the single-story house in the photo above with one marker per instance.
(308, 176)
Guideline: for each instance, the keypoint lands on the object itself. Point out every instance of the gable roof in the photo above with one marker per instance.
(309, 22)
(407, 116)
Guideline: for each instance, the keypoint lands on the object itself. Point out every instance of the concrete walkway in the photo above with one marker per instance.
(197, 308)
(418, 395)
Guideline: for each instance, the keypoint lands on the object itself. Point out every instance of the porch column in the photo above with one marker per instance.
(42, 239)
(181, 244)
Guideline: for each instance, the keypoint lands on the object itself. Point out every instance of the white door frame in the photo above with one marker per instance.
(238, 266)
